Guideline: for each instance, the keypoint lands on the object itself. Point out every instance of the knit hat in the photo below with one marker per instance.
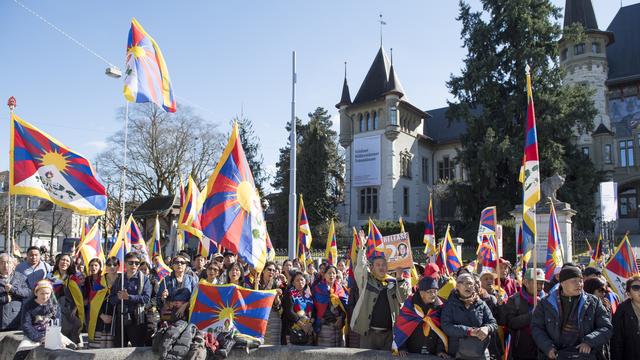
(570, 272)
(43, 284)
(431, 269)
(427, 283)
(591, 271)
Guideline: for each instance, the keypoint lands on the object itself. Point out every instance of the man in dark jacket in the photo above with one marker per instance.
(135, 295)
(465, 315)
(570, 320)
(516, 314)
(13, 292)
(625, 343)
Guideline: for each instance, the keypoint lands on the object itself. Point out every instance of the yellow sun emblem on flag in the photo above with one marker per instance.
(226, 314)
(138, 52)
(58, 160)
(245, 195)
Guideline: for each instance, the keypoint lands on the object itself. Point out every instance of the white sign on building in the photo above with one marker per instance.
(609, 201)
(366, 161)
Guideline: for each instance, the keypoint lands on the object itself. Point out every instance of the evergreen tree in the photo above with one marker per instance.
(501, 40)
(251, 145)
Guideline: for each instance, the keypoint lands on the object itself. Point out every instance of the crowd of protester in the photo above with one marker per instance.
(472, 314)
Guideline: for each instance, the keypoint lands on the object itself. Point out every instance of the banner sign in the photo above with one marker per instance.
(397, 249)
(366, 161)
(609, 201)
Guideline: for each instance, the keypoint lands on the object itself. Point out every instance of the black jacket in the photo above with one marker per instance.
(11, 303)
(517, 317)
(625, 343)
(593, 322)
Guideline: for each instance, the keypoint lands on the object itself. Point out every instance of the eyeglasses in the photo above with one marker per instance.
(467, 283)
(179, 263)
(635, 287)
(271, 269)
(136, 263)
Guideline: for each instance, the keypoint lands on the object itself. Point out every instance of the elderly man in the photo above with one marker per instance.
(569, 320)
(13, 291)
(34, 268)
(379, 302)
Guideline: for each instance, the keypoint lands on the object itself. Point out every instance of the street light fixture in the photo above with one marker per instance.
(113, 71)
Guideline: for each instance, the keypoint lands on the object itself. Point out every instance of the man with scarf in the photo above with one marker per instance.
(516, 315)
(417, 329)
(379, 302)
(569, 320)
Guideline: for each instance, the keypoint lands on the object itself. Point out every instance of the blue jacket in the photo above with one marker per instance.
(593, 321)
(10, 310)
(132, 286)
(34, 274)
(457, 320)
(36, 317)
(189, 285)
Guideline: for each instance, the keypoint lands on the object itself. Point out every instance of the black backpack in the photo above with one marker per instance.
(173, 342)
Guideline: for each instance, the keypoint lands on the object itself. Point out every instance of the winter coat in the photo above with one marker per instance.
(593, 322)
(625, 343)
(36, 318)
(457, 320)
(517, 317)
(11, 303)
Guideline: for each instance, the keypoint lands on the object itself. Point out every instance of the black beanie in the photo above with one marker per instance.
(569, 272)
(427, 283)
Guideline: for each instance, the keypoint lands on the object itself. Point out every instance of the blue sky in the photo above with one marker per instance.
(222, 56)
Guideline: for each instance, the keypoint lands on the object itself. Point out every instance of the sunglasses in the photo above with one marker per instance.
(635, 287)
(112, 264)
(136, 263)
(179, 263)
(271, 269)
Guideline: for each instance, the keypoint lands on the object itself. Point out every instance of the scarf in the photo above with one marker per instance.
(411, 316)
(323, 296)
(302, 301)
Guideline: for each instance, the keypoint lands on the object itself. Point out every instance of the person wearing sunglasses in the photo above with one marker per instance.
(130, 301)
(175, 291)
(625, 343)
(100, 310)
(268, 281)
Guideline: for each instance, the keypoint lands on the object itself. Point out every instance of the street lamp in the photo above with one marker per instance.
(113, 71)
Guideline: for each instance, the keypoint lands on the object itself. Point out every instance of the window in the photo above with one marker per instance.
(585, 151)
(626, 153)
(405, 164)
(375, 120)
(368, 201)
(606, 156)
(628, 203)
(425, 170)
(405, 201)
(369, 127)
(361, 126)
(564, 54)
(578, 49)
(595, 47)
(446, 169)
(393, 115)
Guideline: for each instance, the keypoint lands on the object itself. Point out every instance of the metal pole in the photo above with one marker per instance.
(9, 241)
(292, 164)
(535, 256)
(122, 221)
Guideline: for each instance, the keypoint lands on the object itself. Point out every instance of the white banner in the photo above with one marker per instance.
(366, 161)
(609, 201)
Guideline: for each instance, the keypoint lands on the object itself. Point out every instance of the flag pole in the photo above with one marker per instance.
(12, 105)
(292, 163)
(122, 204)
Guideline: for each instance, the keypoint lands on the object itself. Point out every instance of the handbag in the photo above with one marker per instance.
(571, 354)
(472, 348)
(298, 337)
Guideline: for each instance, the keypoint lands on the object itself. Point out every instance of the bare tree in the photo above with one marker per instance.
(161, 148)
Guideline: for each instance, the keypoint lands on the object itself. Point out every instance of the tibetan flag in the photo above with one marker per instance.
(146, 77)
(161, 267)
(401, 224)
(271, 252)
(519, 249)
(331, 253)
(135, 238)
(207, 248)
(488, 222)
(190, 206)
(352, 257)
(304, 236)
(229, 306)
(374, 242)
(620, 267)
(16, 250)
(323, 295)
(596, 256)
(487, 252)
(100, 293)
(232, 214)
(122, 246)
(530, 176)
(554, 243)
(429, 238)
(41, 166)
(83, 235)
(410, 317)
(452, 262)
(91, 246)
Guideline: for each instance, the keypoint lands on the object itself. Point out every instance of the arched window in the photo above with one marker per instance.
(361, 123)
(375, 120)
(369, 127)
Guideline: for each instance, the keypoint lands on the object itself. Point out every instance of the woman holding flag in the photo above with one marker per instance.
(175, 291)
(297, 311)
(100, 311)
(330, 301)
(268, 281)
(66, 287)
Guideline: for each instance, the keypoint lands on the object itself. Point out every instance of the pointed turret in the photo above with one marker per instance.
(580, 11)
(345, 99)
(375, 83)
(393, 85)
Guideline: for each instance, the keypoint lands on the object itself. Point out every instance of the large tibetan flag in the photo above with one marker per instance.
(530, 176)
(230, 306)
(190, 206)
(429, 237)
(91, 246)
(146, 77)
(554, 243)
(161, 267)
(488, 222)
(452, 259)
(232, 211)
(621, 266)
(374, 242)
(42, 166)
(304, 236)
(331, 253)
(410, 317)
(135, 238)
